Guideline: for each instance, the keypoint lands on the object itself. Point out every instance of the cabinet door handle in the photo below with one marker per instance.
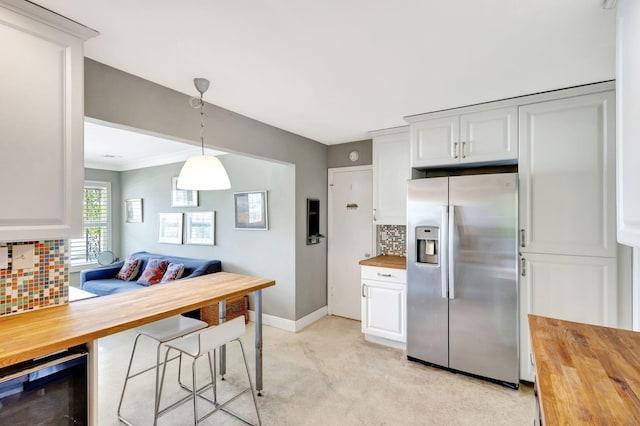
(374, 215)
(455, 150)
(384, 275)
(523, 270)
(522, 238)
(462, 148)
(364, 290)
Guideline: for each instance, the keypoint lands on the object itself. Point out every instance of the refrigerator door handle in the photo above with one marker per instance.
(443, 250)
(451, 234)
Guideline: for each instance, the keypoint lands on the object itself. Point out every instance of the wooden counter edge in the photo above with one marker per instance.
(533, 323)
(386, 261)
(56, 328)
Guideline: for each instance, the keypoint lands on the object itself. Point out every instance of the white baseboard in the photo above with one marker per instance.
(290, 325)
(386, 342)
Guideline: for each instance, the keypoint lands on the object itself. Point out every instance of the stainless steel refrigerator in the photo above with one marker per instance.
(462, 274)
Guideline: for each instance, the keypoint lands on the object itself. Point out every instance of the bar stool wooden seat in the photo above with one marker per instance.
(197, 344)
(161, 331)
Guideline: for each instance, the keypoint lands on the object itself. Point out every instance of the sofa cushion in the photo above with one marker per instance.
(153, 272)
(129, 270)
(174, 272)
(108, 286)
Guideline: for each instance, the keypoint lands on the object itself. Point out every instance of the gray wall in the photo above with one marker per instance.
(338, 155)
(117, 97)
(256, 253)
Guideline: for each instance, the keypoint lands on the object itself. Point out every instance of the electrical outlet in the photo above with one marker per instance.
(22, 257)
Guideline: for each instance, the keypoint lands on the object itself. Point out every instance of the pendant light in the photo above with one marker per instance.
(202, 172)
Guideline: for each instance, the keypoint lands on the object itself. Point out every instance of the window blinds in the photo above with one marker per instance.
(96, 232)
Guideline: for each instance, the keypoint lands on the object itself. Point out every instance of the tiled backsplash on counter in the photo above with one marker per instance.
(391, 239)
(45, 285)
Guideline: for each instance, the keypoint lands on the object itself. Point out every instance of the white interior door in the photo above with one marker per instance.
(350, 237)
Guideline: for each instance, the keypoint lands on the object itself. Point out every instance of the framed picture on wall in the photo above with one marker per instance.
(170, 228)
(200, 228)
(182, 197)
(133, 210)
(251, 210)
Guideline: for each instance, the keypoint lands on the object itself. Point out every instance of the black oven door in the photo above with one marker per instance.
(47, 391)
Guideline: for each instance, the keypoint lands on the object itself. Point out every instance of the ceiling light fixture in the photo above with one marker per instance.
(202, 172)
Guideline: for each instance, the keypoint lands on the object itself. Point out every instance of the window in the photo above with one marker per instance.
(96, 230)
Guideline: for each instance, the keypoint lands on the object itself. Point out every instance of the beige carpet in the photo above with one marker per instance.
(324, 375)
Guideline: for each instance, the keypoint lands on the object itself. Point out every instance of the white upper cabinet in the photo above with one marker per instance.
(434, 142)
(566, 168)
(41, 121)
(390, 175)
(489, 135)
(475, 137)
(628, 124)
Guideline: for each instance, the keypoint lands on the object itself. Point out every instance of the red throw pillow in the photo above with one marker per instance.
(153, 272)
(129, 270)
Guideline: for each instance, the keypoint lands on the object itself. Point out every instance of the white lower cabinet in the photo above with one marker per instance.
(573, 288)
(384, 305)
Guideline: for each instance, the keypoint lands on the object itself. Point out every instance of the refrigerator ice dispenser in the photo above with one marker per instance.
(428, 244)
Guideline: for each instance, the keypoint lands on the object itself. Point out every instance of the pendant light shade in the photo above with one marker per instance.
(202, 172)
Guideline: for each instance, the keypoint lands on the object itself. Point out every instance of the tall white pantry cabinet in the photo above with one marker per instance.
(628, 124)
(41, 122)
(567, 213)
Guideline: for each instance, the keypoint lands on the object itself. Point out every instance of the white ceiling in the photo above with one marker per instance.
(332, 70)
(112, 148)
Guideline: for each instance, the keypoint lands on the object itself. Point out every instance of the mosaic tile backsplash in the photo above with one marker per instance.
(391, 239)
(45, 285)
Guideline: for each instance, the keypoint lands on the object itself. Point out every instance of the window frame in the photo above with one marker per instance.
(79, 265)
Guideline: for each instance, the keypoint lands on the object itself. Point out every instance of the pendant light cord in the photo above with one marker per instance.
(202, 123)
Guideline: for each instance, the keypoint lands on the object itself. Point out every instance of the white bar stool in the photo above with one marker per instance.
(196, 345)
(161, 331)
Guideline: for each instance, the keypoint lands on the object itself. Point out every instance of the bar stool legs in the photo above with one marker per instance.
(160, 331)
(195, 345)
(126, 380)
(251, 386)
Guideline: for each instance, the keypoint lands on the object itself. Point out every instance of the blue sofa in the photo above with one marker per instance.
(102, 281)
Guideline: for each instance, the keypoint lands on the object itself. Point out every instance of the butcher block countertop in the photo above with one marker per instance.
(388, 261)
(586, 374)
(33, 334)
